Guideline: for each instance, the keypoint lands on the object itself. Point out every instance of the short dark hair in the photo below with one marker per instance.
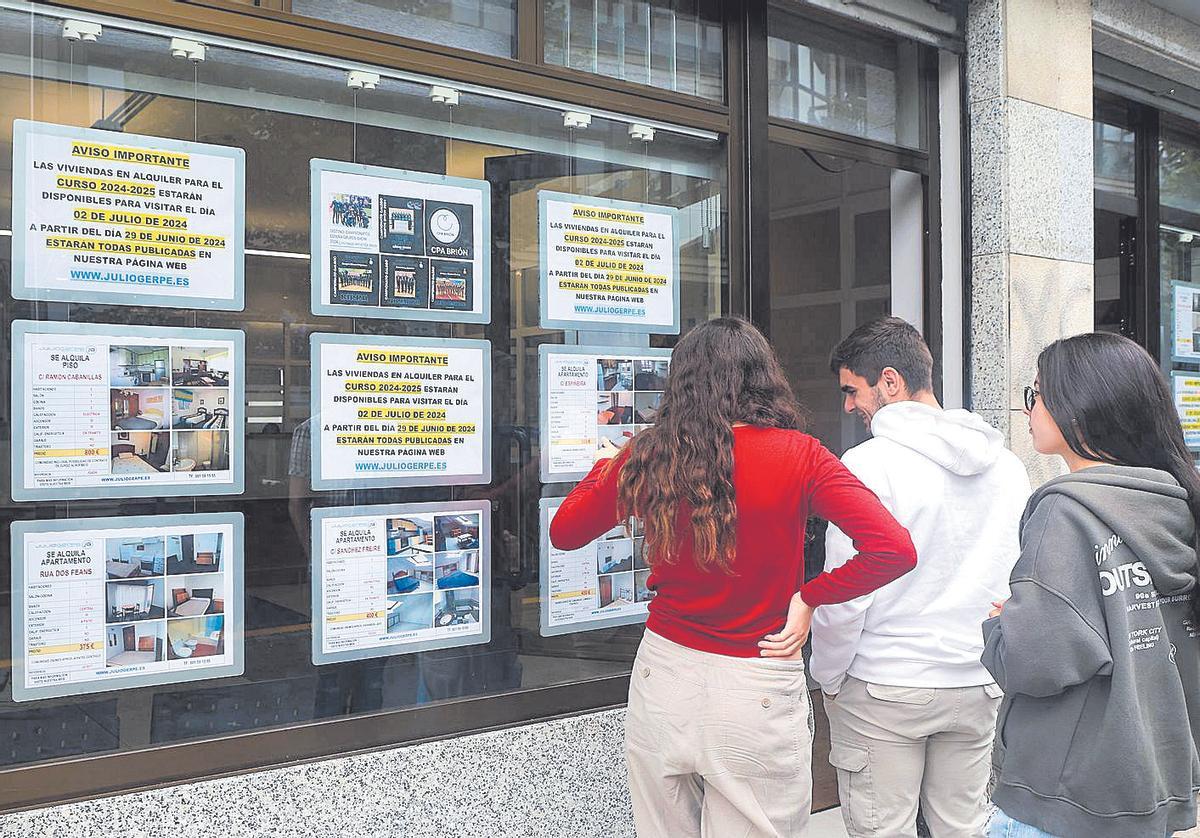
(886, 342)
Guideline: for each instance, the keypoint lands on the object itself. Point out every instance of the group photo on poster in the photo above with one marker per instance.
(128, 410)
(126, 219)
(397, 579)
(593, 394)
(395, 411)
(113, 603)
(608, 265)
(397, 244)
(604, 583)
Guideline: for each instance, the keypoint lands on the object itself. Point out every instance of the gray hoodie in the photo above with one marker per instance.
(1097, 652)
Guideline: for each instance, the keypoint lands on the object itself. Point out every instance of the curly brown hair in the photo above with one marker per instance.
(723, 371)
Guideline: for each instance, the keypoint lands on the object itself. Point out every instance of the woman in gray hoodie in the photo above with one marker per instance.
(1097, 648)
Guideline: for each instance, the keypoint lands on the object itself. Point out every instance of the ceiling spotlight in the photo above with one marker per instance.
(576, 119)
(362, 80)
(645, 133)
(443, 95)
(191, 50)
(81, 30)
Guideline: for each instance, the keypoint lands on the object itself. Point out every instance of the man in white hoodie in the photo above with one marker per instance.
(912, 711)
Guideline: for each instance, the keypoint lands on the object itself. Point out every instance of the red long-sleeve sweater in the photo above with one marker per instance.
(779, 477)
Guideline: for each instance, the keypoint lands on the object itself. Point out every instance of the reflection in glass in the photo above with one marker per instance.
(673, 46)
(487, 26)
(855, 83)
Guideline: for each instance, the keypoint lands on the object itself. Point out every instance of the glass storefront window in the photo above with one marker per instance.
(862, 84)
(487, 26)
(672, 46)
(283, 113)
(1116, 213)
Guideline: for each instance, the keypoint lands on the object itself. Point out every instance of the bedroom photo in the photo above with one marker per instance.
(140, 452)
(140, 409)
(200, 408)
(195, 596)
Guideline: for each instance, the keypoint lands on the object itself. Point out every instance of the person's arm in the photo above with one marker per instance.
(836, 629)
(883, 550)
(1043, 642)
(591, 508)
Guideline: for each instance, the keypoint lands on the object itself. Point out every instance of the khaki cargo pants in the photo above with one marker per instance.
(895, 748)
(717, 747)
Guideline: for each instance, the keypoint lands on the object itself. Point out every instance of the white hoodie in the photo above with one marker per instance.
(947, 477)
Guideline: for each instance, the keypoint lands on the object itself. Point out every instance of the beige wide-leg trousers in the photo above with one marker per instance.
(717, 747)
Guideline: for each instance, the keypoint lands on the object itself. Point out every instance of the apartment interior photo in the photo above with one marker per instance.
(140, 451)
(138, 410)
(408, 613)
(129, 558)
(194, 553)
(200, 408)
(196, 638)
(193, 366)
(130, 600)
(458, 569)
(200, 451)
(195, 596)
(456, 607)
(137, 366)
(134, 644)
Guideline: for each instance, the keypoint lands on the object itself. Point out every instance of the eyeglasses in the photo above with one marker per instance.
(1031, 397)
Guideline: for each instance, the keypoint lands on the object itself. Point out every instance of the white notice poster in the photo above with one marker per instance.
(1186, 386)
(608, 266)
(126, 411)
(126, 219)
(116, 603)
(606, 583)
(1185, 324)
(594, 393)
(397, 579)
(396, 411)
(397, 244)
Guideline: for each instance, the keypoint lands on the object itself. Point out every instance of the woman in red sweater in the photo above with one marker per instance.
(716, 735)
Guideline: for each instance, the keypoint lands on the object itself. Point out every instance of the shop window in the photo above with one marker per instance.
(1114, 143)
(175, 600)
(487, 26)
(832, 237)
(672, 46)
(859, 83)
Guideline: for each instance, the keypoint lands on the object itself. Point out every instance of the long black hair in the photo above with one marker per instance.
(1111, 402)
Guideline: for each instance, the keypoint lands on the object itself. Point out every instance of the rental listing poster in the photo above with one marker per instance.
(591, 394)
(113, 603)
(398, 411)
(1186, 387)
(605, 583)
(133, 411)
(403, 578)
(389, 243)
(126, 219)
(608, 265)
